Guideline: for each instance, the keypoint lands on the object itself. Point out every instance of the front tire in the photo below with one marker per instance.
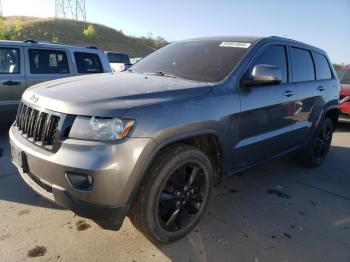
(174, 195)
(317, 150)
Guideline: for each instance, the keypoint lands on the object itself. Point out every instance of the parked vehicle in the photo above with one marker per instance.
(151, 142)
(344, 78)
(135, 60)
(118, 61)
(26, 63)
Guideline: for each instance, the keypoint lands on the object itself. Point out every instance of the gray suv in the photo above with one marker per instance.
(151, 142)
(26, 63)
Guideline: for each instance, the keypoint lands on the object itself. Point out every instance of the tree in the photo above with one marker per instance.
(160, 42)
(54, 39)
(90, 32)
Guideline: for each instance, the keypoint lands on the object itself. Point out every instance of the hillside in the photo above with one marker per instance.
(77, 33)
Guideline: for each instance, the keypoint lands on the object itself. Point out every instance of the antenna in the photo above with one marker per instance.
(74, 9)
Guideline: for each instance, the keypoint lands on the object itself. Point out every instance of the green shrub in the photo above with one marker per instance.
(90, 32)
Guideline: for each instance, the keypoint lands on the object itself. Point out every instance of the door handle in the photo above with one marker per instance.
(11, 83)
(289, 93)
(321, 88)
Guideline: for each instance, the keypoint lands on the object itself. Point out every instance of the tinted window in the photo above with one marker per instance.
(118, 58)
(88, 63)
(303, 66)
(346, 78)
(125, 59)
(322, 67)
(274, 55)
(9, 61)
(44, 61)
(208, 61)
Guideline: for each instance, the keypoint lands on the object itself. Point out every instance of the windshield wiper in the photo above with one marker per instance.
(161, 73)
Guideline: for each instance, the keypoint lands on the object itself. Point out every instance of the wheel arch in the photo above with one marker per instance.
(333, 114)
(205, 140)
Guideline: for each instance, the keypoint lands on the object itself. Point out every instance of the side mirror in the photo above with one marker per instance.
(264, 75)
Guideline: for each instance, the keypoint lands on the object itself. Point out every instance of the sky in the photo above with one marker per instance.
(325, 24)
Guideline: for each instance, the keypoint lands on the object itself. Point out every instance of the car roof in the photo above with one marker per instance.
(115, 52)
(248, 39)
(255, 39)
(32, 43)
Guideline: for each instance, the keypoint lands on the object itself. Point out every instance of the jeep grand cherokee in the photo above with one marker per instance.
(151, 142)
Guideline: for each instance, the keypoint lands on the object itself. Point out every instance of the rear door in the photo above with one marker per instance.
(12, 81)
(309, 90)
(267, 112)
(45, 64)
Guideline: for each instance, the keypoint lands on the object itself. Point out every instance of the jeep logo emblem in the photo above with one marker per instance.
(34, 99)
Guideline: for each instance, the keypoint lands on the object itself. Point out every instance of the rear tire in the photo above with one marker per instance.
(317, 150)
(174, 194)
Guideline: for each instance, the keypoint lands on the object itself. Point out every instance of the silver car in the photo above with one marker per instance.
(26, 63)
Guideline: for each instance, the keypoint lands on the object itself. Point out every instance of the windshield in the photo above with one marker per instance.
(206, 61)
(345, 78)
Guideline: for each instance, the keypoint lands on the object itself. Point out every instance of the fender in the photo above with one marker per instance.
(330, 106)
(162, 142)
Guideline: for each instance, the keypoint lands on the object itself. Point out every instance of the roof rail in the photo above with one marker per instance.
(31, 41)
(91, 47)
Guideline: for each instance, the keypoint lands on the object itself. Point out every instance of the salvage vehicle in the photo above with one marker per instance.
(25, 63)
(118, 61)
(151, 142)
(344, 78)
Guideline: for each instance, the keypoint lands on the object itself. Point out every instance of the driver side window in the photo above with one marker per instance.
(274, 55)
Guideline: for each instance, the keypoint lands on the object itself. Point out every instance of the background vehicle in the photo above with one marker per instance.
(26, 63)
(344, 78)
(181, 119)
(135, 60)
(118, 61)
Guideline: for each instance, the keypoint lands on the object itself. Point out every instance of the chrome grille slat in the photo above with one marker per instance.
(37, 126)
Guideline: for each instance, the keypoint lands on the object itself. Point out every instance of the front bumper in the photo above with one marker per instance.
(115, 170)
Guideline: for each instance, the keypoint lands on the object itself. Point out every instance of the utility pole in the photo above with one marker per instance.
(74, 9)
(1, 11)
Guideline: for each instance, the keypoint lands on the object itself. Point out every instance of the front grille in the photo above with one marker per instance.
(37, 126)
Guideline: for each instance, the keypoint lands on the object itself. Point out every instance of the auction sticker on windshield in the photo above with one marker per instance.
(235, 44)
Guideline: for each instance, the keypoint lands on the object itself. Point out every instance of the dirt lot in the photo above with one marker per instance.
(246, 221)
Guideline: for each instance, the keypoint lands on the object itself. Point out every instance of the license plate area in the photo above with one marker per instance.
(19, 158)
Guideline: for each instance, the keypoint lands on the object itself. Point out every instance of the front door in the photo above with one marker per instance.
(267, 113)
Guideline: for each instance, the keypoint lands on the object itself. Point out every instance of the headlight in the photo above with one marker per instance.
(95, 128)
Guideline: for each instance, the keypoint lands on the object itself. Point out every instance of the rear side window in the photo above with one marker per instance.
(303, 66)
(44, 61)
(323, 70)
(9, 60)
(125, 59)
(276, 56)
(118, 58)
(88, 63)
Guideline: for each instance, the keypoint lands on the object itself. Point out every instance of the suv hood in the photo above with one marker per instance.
(110, 94)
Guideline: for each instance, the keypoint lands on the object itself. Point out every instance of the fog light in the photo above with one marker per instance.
(80, 181)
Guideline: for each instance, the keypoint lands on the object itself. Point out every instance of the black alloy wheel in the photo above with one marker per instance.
(181, 197)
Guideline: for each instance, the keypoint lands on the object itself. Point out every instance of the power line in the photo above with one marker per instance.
(74, 9)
